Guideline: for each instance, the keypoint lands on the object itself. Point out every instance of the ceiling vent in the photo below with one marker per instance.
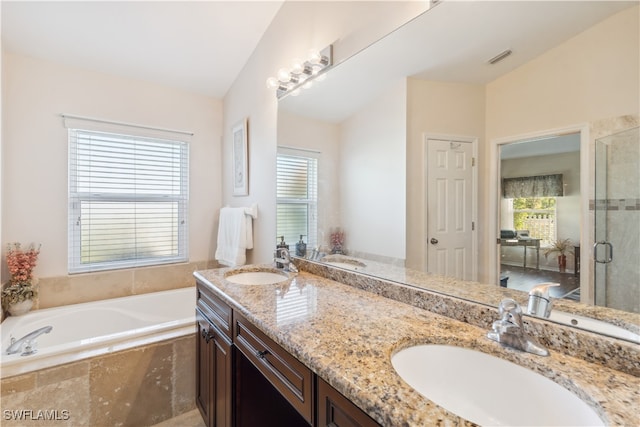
(499, 57)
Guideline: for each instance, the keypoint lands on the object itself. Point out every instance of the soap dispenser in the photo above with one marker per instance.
(281, 245)
(301, 247)
(539, 299)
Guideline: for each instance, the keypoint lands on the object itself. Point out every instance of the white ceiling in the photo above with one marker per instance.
(200, 46)
(451, 42)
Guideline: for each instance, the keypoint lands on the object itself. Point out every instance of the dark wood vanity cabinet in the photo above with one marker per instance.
(245, 379)
(214, 362)
(335, 410)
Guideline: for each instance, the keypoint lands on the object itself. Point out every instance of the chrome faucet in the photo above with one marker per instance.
(509, 332)
(26, 344)
(284, 257)
(539, 300)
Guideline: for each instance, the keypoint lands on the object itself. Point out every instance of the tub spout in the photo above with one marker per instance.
(26, 343)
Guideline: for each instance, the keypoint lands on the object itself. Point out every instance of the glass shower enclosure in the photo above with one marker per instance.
(616, 250)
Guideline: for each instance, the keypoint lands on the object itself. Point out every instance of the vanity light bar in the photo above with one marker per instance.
(302, 73)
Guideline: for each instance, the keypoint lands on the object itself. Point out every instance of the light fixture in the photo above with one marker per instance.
(302, 73)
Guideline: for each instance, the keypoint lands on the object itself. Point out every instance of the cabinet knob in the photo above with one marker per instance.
(261, 354)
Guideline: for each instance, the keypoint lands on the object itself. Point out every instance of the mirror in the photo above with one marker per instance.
(370, 120)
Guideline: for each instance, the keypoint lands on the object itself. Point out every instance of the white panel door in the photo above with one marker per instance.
(449, 198)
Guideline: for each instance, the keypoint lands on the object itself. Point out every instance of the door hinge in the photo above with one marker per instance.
(473, 225)
(473, 161)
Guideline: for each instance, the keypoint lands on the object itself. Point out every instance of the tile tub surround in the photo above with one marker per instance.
(347, 336)
(429, 292)
(78, 288)
(141, 386)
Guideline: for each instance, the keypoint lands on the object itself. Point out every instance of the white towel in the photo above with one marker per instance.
(235, 236)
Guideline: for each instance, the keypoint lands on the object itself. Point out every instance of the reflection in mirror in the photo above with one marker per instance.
(369, 122)
(539, 214)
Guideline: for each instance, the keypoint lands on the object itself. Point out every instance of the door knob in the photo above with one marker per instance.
(434, 241)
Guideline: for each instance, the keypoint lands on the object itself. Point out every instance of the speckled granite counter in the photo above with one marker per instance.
(347, 336)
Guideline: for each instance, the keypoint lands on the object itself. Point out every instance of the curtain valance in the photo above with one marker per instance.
(533, 186)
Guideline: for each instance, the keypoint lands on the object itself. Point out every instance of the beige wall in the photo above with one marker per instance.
(373, 192)
(34, 143)
(298, 27)
(452, 109)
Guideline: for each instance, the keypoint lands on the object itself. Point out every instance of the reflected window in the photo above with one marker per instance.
(535, 214)
(297, 196)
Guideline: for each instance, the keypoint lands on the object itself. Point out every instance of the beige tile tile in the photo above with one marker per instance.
(64, 290)
(17, 384)
(132, 388)
(62, 404)
(188, 419)
(62, 373)
(184, 374)
(162, 278)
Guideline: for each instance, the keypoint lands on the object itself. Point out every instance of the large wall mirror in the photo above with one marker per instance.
(425, 100)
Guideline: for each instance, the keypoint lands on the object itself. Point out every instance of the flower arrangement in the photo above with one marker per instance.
(560, 246)
(21, 264)
(337, 241)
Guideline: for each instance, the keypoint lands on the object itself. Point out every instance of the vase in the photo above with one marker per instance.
(20, 308)
(562, 263)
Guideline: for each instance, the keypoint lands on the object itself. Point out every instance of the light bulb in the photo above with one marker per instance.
(314, 56)
(283, 75)
(297, 66)
(272, 83)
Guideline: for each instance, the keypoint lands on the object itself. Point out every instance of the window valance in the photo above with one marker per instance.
(533, 186)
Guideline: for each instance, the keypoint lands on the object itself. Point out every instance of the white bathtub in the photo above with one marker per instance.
(91, 329)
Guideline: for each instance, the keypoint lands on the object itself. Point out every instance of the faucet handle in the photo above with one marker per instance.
(510, 312)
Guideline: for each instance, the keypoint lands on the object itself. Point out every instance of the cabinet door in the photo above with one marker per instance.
(222, 381)
(335, 410)
(203, 367)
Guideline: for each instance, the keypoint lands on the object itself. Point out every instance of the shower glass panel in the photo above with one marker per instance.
(617, 221)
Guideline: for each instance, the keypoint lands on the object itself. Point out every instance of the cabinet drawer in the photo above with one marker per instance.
(216, 310)
(287, 374)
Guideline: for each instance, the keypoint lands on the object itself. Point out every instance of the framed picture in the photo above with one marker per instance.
(240, 162)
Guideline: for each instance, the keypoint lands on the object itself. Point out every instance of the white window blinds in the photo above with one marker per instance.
(297, 198)
(128, 198)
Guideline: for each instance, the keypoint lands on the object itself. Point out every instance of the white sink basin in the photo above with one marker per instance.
(488, 390)
(593, 325)
(256, 278)
(346, 265)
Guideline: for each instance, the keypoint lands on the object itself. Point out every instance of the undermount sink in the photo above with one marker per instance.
(255, 277)
(594, 325)
(488, 390)
(343, 262)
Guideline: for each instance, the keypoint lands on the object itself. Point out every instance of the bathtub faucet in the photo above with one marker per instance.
(27, 343)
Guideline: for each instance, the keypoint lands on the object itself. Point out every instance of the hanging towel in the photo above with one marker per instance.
(235, 236)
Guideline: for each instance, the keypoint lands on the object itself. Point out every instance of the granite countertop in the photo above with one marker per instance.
(347, 336)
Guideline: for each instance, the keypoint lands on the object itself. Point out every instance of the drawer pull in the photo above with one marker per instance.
(206, 335)
(261, 354)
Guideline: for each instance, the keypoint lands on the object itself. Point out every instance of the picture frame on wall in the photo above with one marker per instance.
(240, 158)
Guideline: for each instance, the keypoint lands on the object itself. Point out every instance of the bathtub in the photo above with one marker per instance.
(91, 329)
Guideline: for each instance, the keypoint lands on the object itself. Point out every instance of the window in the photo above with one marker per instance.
(128, 199)
(297, 197)
(538, 215)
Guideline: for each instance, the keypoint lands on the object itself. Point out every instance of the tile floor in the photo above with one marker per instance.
(188, 419)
